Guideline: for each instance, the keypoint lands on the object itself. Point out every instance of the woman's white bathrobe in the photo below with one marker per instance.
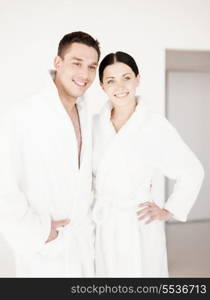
(40, 180)
(124, 164)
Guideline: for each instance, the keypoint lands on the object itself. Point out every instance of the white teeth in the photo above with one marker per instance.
(121, 95)
(80, 83)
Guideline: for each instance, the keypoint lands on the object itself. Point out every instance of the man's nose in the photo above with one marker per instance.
(84, 73)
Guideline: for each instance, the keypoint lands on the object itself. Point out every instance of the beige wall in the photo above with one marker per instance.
(188, 109)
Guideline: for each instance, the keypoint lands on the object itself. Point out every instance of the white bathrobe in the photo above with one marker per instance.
(124, 164)
(40, 181)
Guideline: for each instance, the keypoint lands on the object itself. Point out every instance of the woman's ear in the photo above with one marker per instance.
(138, 79)
(101, 84)
(57, 62)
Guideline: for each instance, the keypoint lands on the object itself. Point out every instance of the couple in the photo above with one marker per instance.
(48, 165)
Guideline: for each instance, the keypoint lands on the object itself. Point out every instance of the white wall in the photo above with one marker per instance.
(31, 30)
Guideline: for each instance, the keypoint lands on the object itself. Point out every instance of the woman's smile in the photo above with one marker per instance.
(121, 95)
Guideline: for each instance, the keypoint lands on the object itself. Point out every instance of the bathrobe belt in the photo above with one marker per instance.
(105, 206)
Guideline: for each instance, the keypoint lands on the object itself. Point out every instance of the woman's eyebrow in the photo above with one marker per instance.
(113, 76)
(109, 77)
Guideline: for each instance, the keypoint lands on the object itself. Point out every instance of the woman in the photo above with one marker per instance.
(131, 144)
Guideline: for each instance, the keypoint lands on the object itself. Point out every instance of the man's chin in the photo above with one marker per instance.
(76, 94)
(79, 92)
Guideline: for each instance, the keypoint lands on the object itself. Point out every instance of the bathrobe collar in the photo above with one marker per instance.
(53, 101)
(52, 96)
(138, 116)
(107, 108)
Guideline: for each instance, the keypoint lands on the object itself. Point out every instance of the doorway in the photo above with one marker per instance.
(188, 109)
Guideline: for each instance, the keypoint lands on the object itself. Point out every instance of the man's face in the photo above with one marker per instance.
(76, 70)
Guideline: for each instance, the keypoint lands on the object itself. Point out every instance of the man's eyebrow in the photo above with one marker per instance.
(94, 63)
(80, 59)
(77, 58)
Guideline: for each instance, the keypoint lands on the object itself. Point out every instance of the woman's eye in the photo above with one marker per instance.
(110, 81)
(127, 78)
(77, 64)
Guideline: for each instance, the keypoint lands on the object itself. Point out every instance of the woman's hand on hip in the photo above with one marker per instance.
(152, 212)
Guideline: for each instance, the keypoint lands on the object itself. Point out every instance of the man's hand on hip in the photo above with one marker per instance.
(54, 232)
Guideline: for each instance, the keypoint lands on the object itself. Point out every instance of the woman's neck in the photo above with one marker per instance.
(121, 114)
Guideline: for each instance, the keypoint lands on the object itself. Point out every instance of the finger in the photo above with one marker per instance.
(145, 216)
(153, 217)
(142, 211)
(147, 203)
(152, 209)
(61, 223)
(150, 214)
(52, 236)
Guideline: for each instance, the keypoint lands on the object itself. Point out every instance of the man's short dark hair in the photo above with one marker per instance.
(77, 37)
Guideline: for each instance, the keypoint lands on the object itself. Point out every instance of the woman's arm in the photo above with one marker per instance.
(178, 162)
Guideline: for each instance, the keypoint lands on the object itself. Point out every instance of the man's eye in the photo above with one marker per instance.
(92, 67)
(77, 64)
(127, 78)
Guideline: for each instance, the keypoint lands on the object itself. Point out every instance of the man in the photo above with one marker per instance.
(45, 163)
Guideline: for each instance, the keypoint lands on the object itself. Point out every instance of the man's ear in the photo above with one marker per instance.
(57, 62)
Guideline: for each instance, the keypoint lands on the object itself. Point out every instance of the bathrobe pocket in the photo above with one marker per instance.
(54, 247)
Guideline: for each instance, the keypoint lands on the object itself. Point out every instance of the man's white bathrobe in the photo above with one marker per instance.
(124, 164)
(40, 180)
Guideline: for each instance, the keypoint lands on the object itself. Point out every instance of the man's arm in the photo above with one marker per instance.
(23, 228)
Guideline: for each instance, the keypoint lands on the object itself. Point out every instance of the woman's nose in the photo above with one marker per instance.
(120, 85)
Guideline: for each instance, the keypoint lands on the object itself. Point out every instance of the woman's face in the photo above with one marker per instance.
(119, 83)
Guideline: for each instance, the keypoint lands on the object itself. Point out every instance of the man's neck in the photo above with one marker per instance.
(67, 100)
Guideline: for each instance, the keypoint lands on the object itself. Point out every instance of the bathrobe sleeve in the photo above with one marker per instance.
(25, 231)
(92, 159)
(178, 162)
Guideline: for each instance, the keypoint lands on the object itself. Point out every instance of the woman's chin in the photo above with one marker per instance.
(121, 102)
